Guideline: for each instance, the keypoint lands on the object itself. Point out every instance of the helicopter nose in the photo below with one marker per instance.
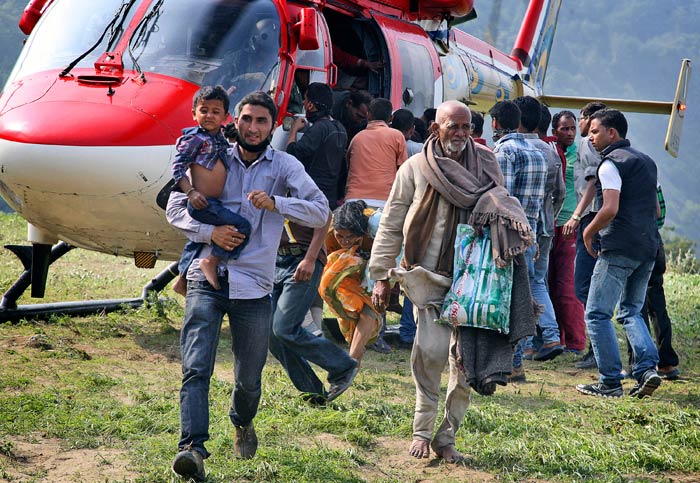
(71, 114)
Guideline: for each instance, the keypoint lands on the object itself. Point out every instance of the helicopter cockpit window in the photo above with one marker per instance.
(68, 29)
(417, 83)
(235, 44)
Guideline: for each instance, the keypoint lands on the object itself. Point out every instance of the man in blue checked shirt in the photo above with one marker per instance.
(524, 170)
(265, 186)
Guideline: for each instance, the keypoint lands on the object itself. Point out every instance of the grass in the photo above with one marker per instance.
(105, 388)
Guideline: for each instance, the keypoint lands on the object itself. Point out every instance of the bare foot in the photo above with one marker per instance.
(208, 266)
(419, 448)
(180, 286)
(449, 454)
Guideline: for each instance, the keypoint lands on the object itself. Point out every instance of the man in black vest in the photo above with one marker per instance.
(626, 221)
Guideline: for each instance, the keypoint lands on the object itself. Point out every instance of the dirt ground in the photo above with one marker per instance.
(47, 461)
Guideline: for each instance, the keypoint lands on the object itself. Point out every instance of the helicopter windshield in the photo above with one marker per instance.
(228, 42)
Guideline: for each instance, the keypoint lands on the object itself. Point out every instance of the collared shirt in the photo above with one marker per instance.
(554, 190)
(374, 156)
(587, 162)
(524, 170)
(278, 174)
(662, 206)
(571, 198)
(197, 146)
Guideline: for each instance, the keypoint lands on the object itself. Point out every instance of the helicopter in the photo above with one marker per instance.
(88, 121)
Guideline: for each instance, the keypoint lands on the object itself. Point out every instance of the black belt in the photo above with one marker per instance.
(294, 250)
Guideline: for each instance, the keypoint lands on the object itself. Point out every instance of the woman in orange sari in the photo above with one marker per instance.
(343, 283)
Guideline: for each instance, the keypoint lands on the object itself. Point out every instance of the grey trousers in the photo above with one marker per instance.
(434, 346)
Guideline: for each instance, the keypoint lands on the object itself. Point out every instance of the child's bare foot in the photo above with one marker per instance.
(180, 286)
(208, 266)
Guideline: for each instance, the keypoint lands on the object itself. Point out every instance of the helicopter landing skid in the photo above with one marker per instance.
(11, 312)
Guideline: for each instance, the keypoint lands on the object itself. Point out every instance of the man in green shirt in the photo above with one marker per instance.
(568, 309)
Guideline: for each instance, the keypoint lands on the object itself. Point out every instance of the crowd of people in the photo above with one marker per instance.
(363, 202)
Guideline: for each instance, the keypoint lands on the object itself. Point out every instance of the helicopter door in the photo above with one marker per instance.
(414, 61)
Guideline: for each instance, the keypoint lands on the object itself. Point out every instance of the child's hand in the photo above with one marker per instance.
(198, 200)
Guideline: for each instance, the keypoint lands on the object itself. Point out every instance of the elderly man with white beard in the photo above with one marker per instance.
(451, 181)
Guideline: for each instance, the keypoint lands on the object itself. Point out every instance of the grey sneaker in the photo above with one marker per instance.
(246, 442)
(600, 389)
(189, 463)
(647, 385)
(339, 386)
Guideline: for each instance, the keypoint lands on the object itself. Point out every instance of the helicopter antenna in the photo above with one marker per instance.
(112, 26)
(143, 33)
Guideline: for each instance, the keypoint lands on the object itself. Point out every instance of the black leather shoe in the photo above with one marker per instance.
(189, 464)
(588, 362)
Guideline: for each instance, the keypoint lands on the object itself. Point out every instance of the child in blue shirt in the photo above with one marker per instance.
(204, 150)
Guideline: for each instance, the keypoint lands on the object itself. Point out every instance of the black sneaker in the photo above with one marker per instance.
(600, 389)
(245, 443)
(189, 463)
(649, 383)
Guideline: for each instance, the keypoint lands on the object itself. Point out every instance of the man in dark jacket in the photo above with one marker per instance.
(626, 221)
(301, 257)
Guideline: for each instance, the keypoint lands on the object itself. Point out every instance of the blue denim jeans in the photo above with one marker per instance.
(616, 277)
(292, 345)
(584, 264)
(214, 214)
(407, 324)
(547, 328)
(199, 337)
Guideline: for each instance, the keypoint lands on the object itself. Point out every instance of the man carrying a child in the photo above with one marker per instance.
(258, 182)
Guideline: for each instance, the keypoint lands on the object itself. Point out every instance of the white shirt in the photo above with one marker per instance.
(609, 176)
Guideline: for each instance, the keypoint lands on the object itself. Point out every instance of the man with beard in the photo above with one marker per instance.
(301, 257)
(453, 180)
(258, 182)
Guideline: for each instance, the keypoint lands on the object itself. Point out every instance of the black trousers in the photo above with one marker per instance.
(654, 311)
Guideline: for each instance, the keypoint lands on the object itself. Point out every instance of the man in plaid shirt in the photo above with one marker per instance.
(524, 170)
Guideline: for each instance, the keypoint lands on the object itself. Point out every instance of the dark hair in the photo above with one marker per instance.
(429, 115)
(402, 120)
(211, 93)
(545, 119)
(529, 112)
(478, 121)
(421, 132)
(357, 98)
(592, 107)
(350, 216)
(611, 118)
(320, 95)
(380, 109)
(231, 131)
(259, 98)
(557, 116)
(507, 114)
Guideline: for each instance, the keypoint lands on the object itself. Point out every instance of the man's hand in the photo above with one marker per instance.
(588, 238)
(304, 271)
(380, 294)
(298, 124)
(570, 227)
(374, 66)
(227, 237)
(261, 200)
(198, 200)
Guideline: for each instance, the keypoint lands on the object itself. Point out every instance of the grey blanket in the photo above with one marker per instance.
(486, 356)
